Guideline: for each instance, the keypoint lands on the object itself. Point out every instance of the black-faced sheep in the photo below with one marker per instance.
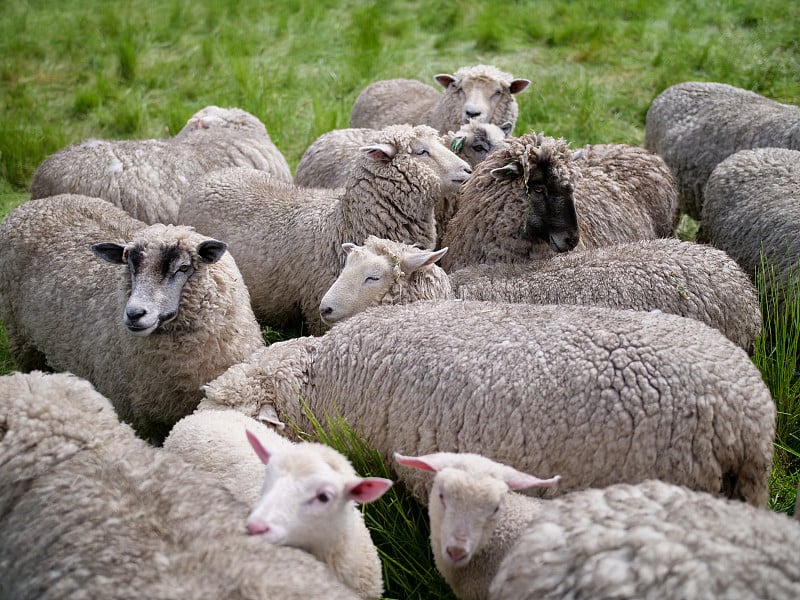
(91, 511)
(287, 239)
(694, 125)
(480, 92)
(536, 198)
(147, 178)
(164, 313)
(596, 395)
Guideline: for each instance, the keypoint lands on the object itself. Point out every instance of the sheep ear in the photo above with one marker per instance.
(509, 171)
(507, 127)
(519, 85)
(445, 80)
(111, 251)
(261, 451)
(269, 415)
(367, 489)
(413, 261)
(211, 250)
(379, 152)
(348, 247)
(429, 462)
(458, 143)
(517, 480)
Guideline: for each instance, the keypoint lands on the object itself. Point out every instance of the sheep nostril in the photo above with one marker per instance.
(325, 311)
(134, 313)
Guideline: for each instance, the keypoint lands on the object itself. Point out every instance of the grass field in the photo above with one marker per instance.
(74, 69)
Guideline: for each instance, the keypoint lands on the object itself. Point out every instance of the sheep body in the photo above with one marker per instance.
(217, 441)
(536, 197)
(596, 395)
(695, 125)
(147, 345)
(286, 239)
(90, 511)
(147, 178)
(651, 540)
(480, 92)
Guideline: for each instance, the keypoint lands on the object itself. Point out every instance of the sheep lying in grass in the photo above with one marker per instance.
(536, 198)
(147, 178)
(480, 92)
(90, 511)
(307, 499)
(652, 539)
(611, 395)
(683, 278)
(163, 313)
(695, 125)
(286, 238)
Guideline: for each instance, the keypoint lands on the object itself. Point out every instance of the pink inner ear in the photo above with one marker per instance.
(369, 489)
(416, 462)
(520, 481)
(262, 452)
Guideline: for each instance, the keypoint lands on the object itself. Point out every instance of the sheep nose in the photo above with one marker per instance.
(134, 313)
(325, 311)
(255, 527)
(471, 114)
(456, 553)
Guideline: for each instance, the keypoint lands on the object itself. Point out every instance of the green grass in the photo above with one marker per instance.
(74, 69)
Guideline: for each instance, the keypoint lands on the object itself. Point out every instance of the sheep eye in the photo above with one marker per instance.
(372, 278)
(496, 508)
(183, 268)
(421, 152)
(480, 148)
(323, 497)
(441, 498)
(539, 189)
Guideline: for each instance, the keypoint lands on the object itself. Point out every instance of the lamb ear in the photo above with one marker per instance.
(444, 79)
(211, 250)
(507, 128)
(111, 251)
(517, 480)
(413, 261)
(367, 489)
(509, 171)
(519, 85)
(261, 451)
(379, 152)
(348, 247)
(429, 462)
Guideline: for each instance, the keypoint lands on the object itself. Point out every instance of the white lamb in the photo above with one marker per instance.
(306, 500)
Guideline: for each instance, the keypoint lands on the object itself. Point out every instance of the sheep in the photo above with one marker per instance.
(536, 198)
(651, 540)
(286, 238)
(753, 204)
(597, 395)
(308, 494)
(683, 278)
(480, 92)
(384, 272)
(164, 312)
(695, 125)
(91, 511)
(147, 178)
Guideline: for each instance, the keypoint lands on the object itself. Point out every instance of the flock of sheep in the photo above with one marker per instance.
(481, 308)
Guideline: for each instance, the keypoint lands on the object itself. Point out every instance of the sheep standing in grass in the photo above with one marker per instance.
(159, 311)
(147, 178)
(695, 125)
(384, 272)
(480, 92)
(286, 239)
(596, 395)
(307, 499)
(90, 511)
(536, 198)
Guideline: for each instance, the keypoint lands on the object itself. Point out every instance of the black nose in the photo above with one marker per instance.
(326, 311)
(134, 313)
(473, 113)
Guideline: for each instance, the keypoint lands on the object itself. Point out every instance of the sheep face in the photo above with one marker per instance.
(308, 489)
(475, 141)
(480, 95)
(158, 274)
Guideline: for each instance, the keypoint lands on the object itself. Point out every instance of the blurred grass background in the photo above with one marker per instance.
(75, 69)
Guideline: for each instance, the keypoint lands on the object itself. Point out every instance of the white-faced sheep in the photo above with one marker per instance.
(147, 178)
(480, 92)
(91, 511)
(596, 395)
(682, 278)
(384, 272)
(164, 313)
(305, 500)
(536, 197)
(694, 125)
(647, 540)
(651, 540)
(287, 239)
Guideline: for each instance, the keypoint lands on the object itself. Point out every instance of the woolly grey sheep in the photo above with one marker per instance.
(596, 395)
(695, 125)
(651, 540)
(753, 204)
(308, 495)
(90, 511)
(536, 198)
(165, 312)
(474, 521)
(384, 272)
(480, 92)
(286, 239)
(147, 178)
